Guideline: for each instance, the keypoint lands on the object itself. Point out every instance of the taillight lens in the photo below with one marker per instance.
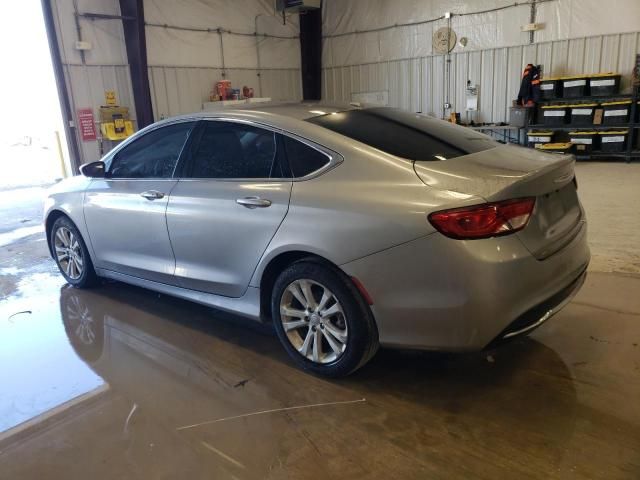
(483, 221)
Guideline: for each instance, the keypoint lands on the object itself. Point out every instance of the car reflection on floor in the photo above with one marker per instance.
(179, 367)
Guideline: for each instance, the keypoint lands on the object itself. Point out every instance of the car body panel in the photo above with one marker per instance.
(462, 297)
(367, 214)
(66, 197)
(248, 305)
(342, 216)
(509, 172)
(129, 232)
(500, 173)
(217, 243)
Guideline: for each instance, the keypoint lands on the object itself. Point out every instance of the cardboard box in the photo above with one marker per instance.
(597, 116)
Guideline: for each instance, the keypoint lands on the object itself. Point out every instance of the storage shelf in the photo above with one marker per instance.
(584, 127)
(594, 98)
(631, 151)
(634, 154)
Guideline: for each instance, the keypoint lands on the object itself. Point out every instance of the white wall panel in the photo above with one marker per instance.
(460, 75)
(426, 72)
(575, 56)
(106, 37)
(513, 77)
(579, 36)
(182, 90)
(417, 84)
(183, 65)
(559, 58)
(87, 85)
(592, 55)
(562, 19)
(167, 46)
(438, 83)
(500, 81)
(610, 52)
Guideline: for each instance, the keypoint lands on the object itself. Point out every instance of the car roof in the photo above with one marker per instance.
(266, 110)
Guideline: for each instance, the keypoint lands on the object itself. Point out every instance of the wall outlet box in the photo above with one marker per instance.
(80, 45)
(447, 14)
(532, 27)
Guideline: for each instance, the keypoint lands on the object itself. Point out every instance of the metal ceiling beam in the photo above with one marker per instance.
(311, 54)
(63, 95)
(135, 40)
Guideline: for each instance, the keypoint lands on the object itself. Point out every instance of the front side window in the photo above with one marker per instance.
(154, 155)
(234, 150)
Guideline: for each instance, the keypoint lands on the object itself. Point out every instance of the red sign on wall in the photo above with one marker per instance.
(87, 124)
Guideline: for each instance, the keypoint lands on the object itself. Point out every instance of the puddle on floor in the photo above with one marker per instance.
(39, 369)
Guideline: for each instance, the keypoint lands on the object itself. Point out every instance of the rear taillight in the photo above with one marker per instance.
(486, 220)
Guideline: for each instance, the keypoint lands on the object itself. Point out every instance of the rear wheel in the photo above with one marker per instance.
(71, 254)
(321, 319)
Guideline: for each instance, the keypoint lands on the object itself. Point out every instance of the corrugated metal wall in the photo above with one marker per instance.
(86, 85)
(179, 90)
(418, 84)
(175, 88)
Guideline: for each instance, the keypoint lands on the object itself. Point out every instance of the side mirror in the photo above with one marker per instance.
(93, 169)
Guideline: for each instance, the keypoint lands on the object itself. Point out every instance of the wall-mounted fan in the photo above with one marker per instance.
(444, 39)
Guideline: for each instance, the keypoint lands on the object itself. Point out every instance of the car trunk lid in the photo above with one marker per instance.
(508, 172)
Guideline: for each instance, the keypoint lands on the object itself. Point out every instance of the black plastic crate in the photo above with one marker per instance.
(613, 141)
(581, 113)
(603, 84)
(535, 139)
(573, 87)
(550, 88)
(554, 115)
(616, 113)
(583, 141)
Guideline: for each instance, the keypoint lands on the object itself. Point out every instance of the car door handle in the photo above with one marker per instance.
(253, 202)
(152, 195)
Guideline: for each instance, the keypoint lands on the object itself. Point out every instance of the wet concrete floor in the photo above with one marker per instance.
(118, 382)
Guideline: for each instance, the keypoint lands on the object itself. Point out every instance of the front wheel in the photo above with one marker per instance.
(321, 319)
(71, 254)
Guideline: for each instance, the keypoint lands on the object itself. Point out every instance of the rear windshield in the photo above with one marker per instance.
(407, 135)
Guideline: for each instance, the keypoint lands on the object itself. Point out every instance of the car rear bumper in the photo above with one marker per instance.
(443, 294)
(539, 314)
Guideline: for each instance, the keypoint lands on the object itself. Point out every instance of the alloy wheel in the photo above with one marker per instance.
(313, 321)
(68, 253)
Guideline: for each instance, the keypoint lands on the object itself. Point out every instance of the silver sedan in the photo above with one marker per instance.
(345, 228)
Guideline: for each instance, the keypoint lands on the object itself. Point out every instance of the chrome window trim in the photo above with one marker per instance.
(335, 158)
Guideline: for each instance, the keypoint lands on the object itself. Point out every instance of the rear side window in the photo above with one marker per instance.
(234, 150)
(153, 155)
(303, 159)
(407, 135)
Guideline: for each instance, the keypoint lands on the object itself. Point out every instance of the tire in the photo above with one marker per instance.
(344, 324)
(71, 254)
